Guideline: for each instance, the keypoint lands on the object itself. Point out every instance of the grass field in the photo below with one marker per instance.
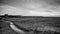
(28, 23)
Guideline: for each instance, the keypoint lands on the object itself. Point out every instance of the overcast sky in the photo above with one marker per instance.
(30, 8)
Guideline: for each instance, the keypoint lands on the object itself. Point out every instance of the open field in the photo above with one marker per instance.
(31, 23)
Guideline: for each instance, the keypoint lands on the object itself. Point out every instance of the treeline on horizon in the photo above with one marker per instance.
(20, 16)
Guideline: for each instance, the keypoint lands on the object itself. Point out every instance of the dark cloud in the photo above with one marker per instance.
(57, 1)
(21, 2)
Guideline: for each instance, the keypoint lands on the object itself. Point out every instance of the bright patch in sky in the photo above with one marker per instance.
(28, 12)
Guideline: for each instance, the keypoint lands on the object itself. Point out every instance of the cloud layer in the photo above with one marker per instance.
(30, 9)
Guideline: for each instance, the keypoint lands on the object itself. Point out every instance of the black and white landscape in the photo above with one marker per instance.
(30, 16)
